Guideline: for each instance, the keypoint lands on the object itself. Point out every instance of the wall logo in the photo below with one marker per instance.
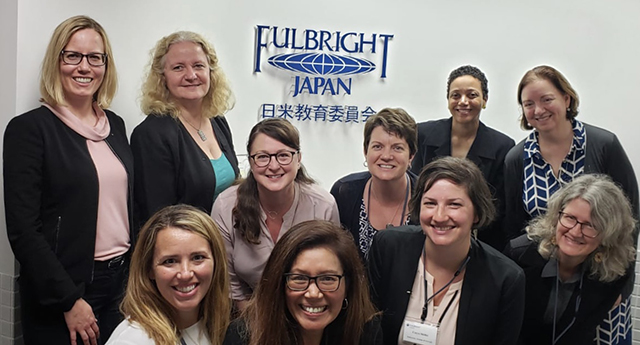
(316, 56)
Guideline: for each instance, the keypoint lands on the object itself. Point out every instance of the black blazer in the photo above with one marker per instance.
(170, 166)
(597, 299)
(371, 334)
(348, 194)
(51, 204)
(492, 298)
(488, 152)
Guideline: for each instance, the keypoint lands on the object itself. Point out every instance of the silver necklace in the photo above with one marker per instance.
(200, 132)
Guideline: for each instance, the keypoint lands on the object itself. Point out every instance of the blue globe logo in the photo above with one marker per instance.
(321, 64)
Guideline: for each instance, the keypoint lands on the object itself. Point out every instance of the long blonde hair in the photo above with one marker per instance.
(143, 303)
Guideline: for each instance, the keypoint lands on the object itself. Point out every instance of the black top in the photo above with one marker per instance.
(371, 334)
(491, 301)
(170, 166)
(488, 152)
(51, 203)
(597, 298)
(348, 194)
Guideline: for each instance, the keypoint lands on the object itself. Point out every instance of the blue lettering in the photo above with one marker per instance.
(293, 40)
(259, 45)
(328, 85)
(385, 39)
(275, 37)
(372, 43)
(354, 49)
(311, 39)
(345, 88)
(325, 36)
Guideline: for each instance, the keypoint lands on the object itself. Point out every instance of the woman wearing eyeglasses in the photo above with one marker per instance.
(313, 291)
(577, 258)
(275, 196)
(183, 149)
(68, 193)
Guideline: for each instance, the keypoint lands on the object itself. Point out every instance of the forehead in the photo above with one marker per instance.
(85, 39)
(539, 86)
(380, 133)
(445, 188)
(185, 51)
(317, 260)
(263, 142)
(465, 82)
(175, 241)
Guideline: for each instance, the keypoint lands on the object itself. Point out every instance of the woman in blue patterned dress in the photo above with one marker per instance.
(559, 149)
(376, 199)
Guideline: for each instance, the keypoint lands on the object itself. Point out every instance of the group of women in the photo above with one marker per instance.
(420, 261)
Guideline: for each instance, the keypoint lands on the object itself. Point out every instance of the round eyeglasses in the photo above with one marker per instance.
(569, 222)
(262, 159)
(74, 58)
(324, 282)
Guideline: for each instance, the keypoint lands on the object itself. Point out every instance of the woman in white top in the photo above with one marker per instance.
(177, 291)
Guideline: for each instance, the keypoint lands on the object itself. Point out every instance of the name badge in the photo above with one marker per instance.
(420, 333)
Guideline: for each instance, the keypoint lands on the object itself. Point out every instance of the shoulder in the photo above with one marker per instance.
(226, 201)
(597, 134)
(315, 194)
(515, 153)
(434, 125)
(372, 331)
(129, 332)
(236, 333)
(353, 181)
(400, 235)
(493, 260)
(221, 121)
(115, 120)
(38, 115)
(157, 123)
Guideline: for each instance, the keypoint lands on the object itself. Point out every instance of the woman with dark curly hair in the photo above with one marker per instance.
(577, 258)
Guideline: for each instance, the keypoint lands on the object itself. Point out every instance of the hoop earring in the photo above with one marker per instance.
(345, 304)
(365, 164)
(598, 257)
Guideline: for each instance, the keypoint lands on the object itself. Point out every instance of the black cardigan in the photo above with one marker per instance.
(348, 194)
(491, 301)
(597, 299)
(488, 152)
(604, 155)
(51, 203)
(170, 166)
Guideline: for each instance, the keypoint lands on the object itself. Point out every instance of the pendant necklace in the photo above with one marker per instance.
(198, 130)
(403, 204)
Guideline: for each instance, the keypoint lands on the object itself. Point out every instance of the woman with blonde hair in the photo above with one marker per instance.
(183, 150)
(177, 291)
(68, 185)
(577, 258)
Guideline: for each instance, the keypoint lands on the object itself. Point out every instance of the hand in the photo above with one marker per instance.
(80, 320)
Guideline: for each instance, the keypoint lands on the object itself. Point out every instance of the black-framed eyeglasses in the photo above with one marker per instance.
(569, 222)
(262, 159)
(324, 282)
(75, 58)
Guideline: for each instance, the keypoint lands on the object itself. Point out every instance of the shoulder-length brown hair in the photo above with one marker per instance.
(156, 98)
(610, 214)
(267, 317)
(246, 213)
(558, 80)
(396, 121)
(51, 89)
(144, 304)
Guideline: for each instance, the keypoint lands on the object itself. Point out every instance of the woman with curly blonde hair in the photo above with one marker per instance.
(177, 291)
(577, 258)
(183, 150)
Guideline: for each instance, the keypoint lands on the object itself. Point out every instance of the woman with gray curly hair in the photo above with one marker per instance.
(577, 257)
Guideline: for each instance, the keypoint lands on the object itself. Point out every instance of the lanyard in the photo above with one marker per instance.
(555, 339)
(427, 300)
(404, 205)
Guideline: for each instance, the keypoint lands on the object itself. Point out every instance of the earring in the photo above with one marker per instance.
(598, 257)
(365, 164)
(345, 304)
(553, 241)
(484, 106)
(568, 110)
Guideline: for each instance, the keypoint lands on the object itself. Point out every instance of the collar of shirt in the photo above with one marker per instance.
(532, 148)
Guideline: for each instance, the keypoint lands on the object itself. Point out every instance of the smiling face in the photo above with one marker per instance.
(186, 72)
(387, 155)
(182, 268)
(447, 214)
(544, 106)
(466, 99)
(80, 82)
(313, 309)
(274, 177)
(571, 242)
